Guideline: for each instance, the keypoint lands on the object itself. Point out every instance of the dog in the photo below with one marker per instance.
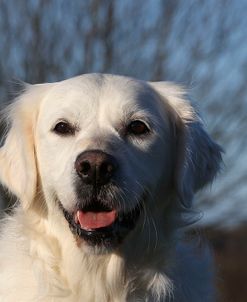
(104, 168)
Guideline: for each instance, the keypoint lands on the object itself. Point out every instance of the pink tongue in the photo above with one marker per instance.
(95, 220)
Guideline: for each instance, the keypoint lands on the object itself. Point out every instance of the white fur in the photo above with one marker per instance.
(40, 259)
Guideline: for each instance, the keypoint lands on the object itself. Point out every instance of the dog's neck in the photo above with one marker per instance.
(76, 270)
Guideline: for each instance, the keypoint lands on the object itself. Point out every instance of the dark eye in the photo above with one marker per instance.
(137, 128)
(64, 128)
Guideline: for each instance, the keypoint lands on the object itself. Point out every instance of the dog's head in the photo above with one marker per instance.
(102, 149)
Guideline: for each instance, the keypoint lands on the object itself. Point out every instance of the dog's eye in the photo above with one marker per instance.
(137, 128)
(64, 128)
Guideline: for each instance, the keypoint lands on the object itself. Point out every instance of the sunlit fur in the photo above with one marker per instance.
(40, 259)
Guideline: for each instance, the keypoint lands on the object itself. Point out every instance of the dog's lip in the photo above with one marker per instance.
(91, 220)
(110, 235)
(123, 223)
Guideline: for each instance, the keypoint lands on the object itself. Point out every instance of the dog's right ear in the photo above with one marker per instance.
(18, 170)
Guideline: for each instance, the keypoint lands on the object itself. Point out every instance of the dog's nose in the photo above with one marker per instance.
(95, 167)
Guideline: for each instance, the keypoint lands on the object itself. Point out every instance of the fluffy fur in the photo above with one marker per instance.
(40, 258)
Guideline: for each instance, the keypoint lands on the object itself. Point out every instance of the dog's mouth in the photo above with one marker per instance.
(95, 216)
(101, 225)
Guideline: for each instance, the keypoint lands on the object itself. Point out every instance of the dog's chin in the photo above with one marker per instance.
(100, 228)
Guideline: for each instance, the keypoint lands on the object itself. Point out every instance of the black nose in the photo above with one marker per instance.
(95, 167)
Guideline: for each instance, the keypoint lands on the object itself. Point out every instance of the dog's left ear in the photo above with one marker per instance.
(18, 170)
(198, 157)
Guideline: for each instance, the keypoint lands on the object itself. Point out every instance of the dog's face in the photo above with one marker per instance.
(102, 144)
(102, 149)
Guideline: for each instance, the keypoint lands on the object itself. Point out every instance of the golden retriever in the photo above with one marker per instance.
(105, 168)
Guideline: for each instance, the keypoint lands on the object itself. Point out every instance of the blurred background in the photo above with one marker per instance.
(199, 44)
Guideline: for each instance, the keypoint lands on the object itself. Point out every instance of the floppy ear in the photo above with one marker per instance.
(198, 157)
(17, 156)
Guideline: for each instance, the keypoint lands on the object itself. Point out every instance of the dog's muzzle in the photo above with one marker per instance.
(97, 218)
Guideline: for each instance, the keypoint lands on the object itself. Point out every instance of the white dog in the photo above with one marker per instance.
(105, 168)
